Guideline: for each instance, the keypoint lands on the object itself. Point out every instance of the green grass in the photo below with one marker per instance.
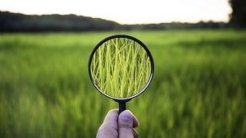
(198, 90)
(120, 68)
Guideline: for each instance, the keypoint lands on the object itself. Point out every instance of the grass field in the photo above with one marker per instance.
(198, 90)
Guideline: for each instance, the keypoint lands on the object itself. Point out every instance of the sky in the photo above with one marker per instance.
(127, 11)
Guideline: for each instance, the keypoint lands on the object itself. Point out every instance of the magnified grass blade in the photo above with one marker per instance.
(121, 67)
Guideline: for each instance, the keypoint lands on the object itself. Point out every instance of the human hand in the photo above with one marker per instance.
(118, 126)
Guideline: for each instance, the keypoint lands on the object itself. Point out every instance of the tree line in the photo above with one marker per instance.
(16, 22)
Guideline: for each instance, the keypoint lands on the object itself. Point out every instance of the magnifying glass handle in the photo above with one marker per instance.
(122, 106)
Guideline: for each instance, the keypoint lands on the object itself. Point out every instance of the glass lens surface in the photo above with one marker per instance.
(120, 68)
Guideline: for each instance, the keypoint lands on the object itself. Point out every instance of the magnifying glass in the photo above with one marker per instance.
(121, 67)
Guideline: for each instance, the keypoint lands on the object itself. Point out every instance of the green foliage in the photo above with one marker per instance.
(198, 89)
(120, 67)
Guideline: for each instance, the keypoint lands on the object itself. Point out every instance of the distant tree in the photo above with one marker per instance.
(17, 22)
(238, 15)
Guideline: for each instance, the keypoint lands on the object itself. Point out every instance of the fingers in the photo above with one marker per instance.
(135, 121)
(135, 134)
(118, 126)
(109, 128)
(126, 122)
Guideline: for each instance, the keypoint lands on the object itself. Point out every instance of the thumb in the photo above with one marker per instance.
(125, 122)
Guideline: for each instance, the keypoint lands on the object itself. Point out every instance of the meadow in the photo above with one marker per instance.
(198, 89)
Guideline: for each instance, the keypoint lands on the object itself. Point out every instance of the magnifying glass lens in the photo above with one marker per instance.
(121, 67)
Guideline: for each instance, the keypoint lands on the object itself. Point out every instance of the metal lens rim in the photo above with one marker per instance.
(141, 44)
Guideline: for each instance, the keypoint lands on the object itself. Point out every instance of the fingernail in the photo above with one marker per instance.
(126, 116)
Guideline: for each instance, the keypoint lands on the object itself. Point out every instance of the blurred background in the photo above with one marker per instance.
(199, 85)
